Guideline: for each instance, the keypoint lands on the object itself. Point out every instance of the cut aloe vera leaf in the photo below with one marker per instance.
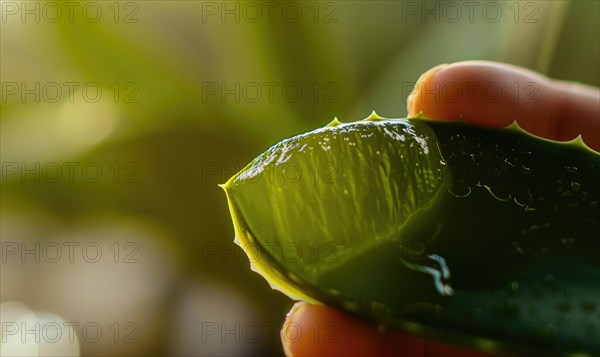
(484, 237)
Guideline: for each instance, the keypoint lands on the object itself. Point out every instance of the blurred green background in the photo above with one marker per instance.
(119, 119)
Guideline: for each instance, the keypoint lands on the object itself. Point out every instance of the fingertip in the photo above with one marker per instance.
(414, 102)
(476, 91)
(495, 95)
(315, 330)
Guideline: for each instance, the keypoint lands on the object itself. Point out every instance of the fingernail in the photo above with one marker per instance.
(411, 99)
(296, 308)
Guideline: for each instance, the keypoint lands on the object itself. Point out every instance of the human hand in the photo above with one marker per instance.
(483, 93)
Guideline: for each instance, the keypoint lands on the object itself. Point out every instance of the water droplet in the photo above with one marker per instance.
(531, 229)
(524, 170)
(506, 166)
(519, 203)
(518, 249)
(461, 191)
(567, 194)
(567, 241)
(571, 169)
(502, 198)
(435, 265)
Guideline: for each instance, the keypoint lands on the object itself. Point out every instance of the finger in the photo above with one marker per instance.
(324, 331)
(493, 94)
(312, 330)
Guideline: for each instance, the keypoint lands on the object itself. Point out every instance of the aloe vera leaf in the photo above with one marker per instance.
(488, 237)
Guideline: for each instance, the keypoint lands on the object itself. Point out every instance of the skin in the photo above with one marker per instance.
(483, 93)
